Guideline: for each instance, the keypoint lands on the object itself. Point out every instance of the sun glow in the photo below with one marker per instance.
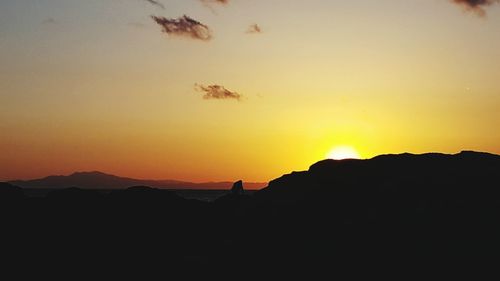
(343, 152)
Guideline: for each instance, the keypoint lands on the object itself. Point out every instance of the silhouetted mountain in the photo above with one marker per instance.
(466, 173)
(99, 180)
(408, 211)
(410, 214)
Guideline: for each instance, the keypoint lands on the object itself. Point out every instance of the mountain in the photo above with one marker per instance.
(399, 176)
(401, 214)
(99, 180)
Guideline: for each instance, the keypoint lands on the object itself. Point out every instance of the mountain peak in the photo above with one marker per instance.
(100, 180)
(90, 173)
(476, 153)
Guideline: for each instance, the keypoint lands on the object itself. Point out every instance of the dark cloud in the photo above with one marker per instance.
(156, 3)
(254, 28)
(476, 6)
(184, 26)
(217, 92)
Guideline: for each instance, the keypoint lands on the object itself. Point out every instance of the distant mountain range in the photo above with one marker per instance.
(99, 180)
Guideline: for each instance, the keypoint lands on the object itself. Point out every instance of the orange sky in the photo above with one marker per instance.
(96, 85)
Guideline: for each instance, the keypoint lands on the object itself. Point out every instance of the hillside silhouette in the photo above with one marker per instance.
(100, 180)
(408, 213)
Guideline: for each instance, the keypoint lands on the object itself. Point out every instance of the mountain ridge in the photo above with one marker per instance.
(429, 171)
(101, 180)
(397, 211)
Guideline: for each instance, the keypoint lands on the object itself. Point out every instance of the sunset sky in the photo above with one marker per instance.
(241, 90)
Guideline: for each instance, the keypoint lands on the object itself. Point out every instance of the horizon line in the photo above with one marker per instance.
(232, 181)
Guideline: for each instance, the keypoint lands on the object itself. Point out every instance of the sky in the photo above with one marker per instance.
(204, 90)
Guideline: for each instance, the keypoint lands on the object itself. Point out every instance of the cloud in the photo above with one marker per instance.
(217, 92)
(211, 3)
(137, 24)
(476, 6)
(156, 3)
(184, 26)
(222, 2)
(254, 28)
(49, 21)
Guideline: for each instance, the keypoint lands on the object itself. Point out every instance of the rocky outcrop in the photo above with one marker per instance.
(237, 188)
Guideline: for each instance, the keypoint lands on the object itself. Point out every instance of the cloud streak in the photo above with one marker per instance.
(217, 92)
(253, 29)
(184, 27)
(156, 3)
(49, 21)
(476, 6)
(222, 2)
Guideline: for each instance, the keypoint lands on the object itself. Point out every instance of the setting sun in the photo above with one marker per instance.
(343, 152)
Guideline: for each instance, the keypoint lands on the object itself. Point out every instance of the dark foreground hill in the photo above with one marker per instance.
(405, 214)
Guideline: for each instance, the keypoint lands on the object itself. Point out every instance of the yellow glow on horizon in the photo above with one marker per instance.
(68, 104)
(343, 152)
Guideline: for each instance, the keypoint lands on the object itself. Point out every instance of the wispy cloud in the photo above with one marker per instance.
(222, 2)
(254, 28)
(476, 6)
(156, 3)
(217, 92)
(49, 21)
(185, 27)
(137, 24)
(211, 3)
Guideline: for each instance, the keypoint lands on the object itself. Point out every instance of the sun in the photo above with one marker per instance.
(343, 152)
